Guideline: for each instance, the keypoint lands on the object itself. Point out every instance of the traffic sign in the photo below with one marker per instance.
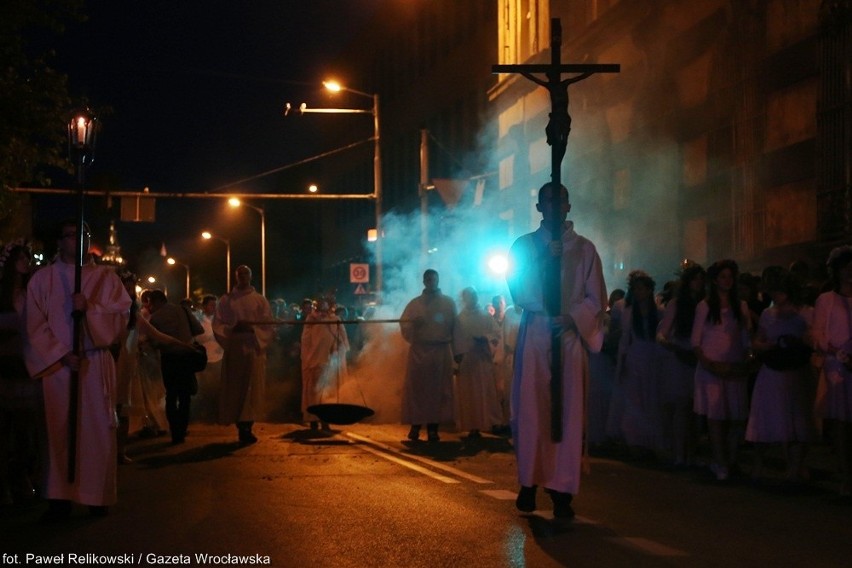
(359, 273)
(359, 290)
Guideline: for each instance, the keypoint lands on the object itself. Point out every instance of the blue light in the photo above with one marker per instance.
(498, 264)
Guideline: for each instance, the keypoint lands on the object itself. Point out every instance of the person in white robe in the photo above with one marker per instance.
(507, 321)
(49, 357)
(243, 386)
(541, 461)
(427, 324)
(323, 353)
(832, 331)
(475, 336)
(207, 405)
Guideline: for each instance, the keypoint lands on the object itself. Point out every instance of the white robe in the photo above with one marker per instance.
(323, 357)
(427, 326)
(241, 397)
(50, 333)
(478, 404)
(541, 461)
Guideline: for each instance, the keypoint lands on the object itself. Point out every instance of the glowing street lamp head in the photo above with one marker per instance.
(171, 261)
(151, 280)
(332, 86)
(234, 202)
(206, 235)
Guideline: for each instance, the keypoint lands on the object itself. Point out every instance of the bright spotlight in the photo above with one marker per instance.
(498, 264)
(234, 202)
(313, 188)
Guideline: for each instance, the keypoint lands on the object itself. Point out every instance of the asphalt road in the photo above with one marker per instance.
(363, 497)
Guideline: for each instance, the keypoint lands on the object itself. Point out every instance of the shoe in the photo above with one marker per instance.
(432, 433)
(57, 510)
(561, 504)
(720, 471)
(314, 425)
(474, 435)
(98, 511)
(414, 433)
(246, 437)
(147, 432)
(526, 499)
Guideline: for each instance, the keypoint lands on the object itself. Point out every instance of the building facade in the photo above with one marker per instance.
(725, 135)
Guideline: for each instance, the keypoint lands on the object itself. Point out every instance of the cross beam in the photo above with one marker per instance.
(557, 131)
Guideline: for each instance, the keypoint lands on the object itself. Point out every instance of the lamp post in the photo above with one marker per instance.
(234, 202)
(172, 262)
(81, 145)
(208, 235)
(334, 86)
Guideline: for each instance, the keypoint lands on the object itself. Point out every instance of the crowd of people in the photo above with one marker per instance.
(715, 353)
(730, 356)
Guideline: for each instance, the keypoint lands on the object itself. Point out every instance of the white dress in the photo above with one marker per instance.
(639, 374)
(780, 410)
(715, 397)
(832, 331)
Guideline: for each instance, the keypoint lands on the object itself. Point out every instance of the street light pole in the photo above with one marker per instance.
(234, 202)
(172, 261)
(209, 235)
(377, 189)
(377, 159)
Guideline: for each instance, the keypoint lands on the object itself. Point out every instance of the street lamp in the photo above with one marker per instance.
(172, 262)
(235, 202)
(336, 87)
(208, 235)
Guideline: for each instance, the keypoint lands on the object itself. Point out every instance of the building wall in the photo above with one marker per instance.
(702, 147)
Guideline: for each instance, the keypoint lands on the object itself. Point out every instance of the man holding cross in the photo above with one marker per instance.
(554, 464)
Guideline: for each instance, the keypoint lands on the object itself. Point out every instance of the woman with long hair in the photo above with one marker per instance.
(832, 332)
(638, 365)
(679, 362)
(720, 338)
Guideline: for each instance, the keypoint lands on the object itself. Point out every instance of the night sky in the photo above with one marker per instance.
(192, 95)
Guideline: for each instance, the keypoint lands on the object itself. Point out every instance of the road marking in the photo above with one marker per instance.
(648, 546)
(409, 465)
(443, 467)
(501, 494)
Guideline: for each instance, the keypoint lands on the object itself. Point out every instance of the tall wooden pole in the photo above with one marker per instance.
(557, 131)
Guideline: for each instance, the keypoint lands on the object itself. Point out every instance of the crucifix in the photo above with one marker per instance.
(557, 131)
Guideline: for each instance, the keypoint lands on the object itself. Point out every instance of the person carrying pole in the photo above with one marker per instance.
(104, 309)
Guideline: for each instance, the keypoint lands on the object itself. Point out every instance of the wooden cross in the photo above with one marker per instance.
(557, 131)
